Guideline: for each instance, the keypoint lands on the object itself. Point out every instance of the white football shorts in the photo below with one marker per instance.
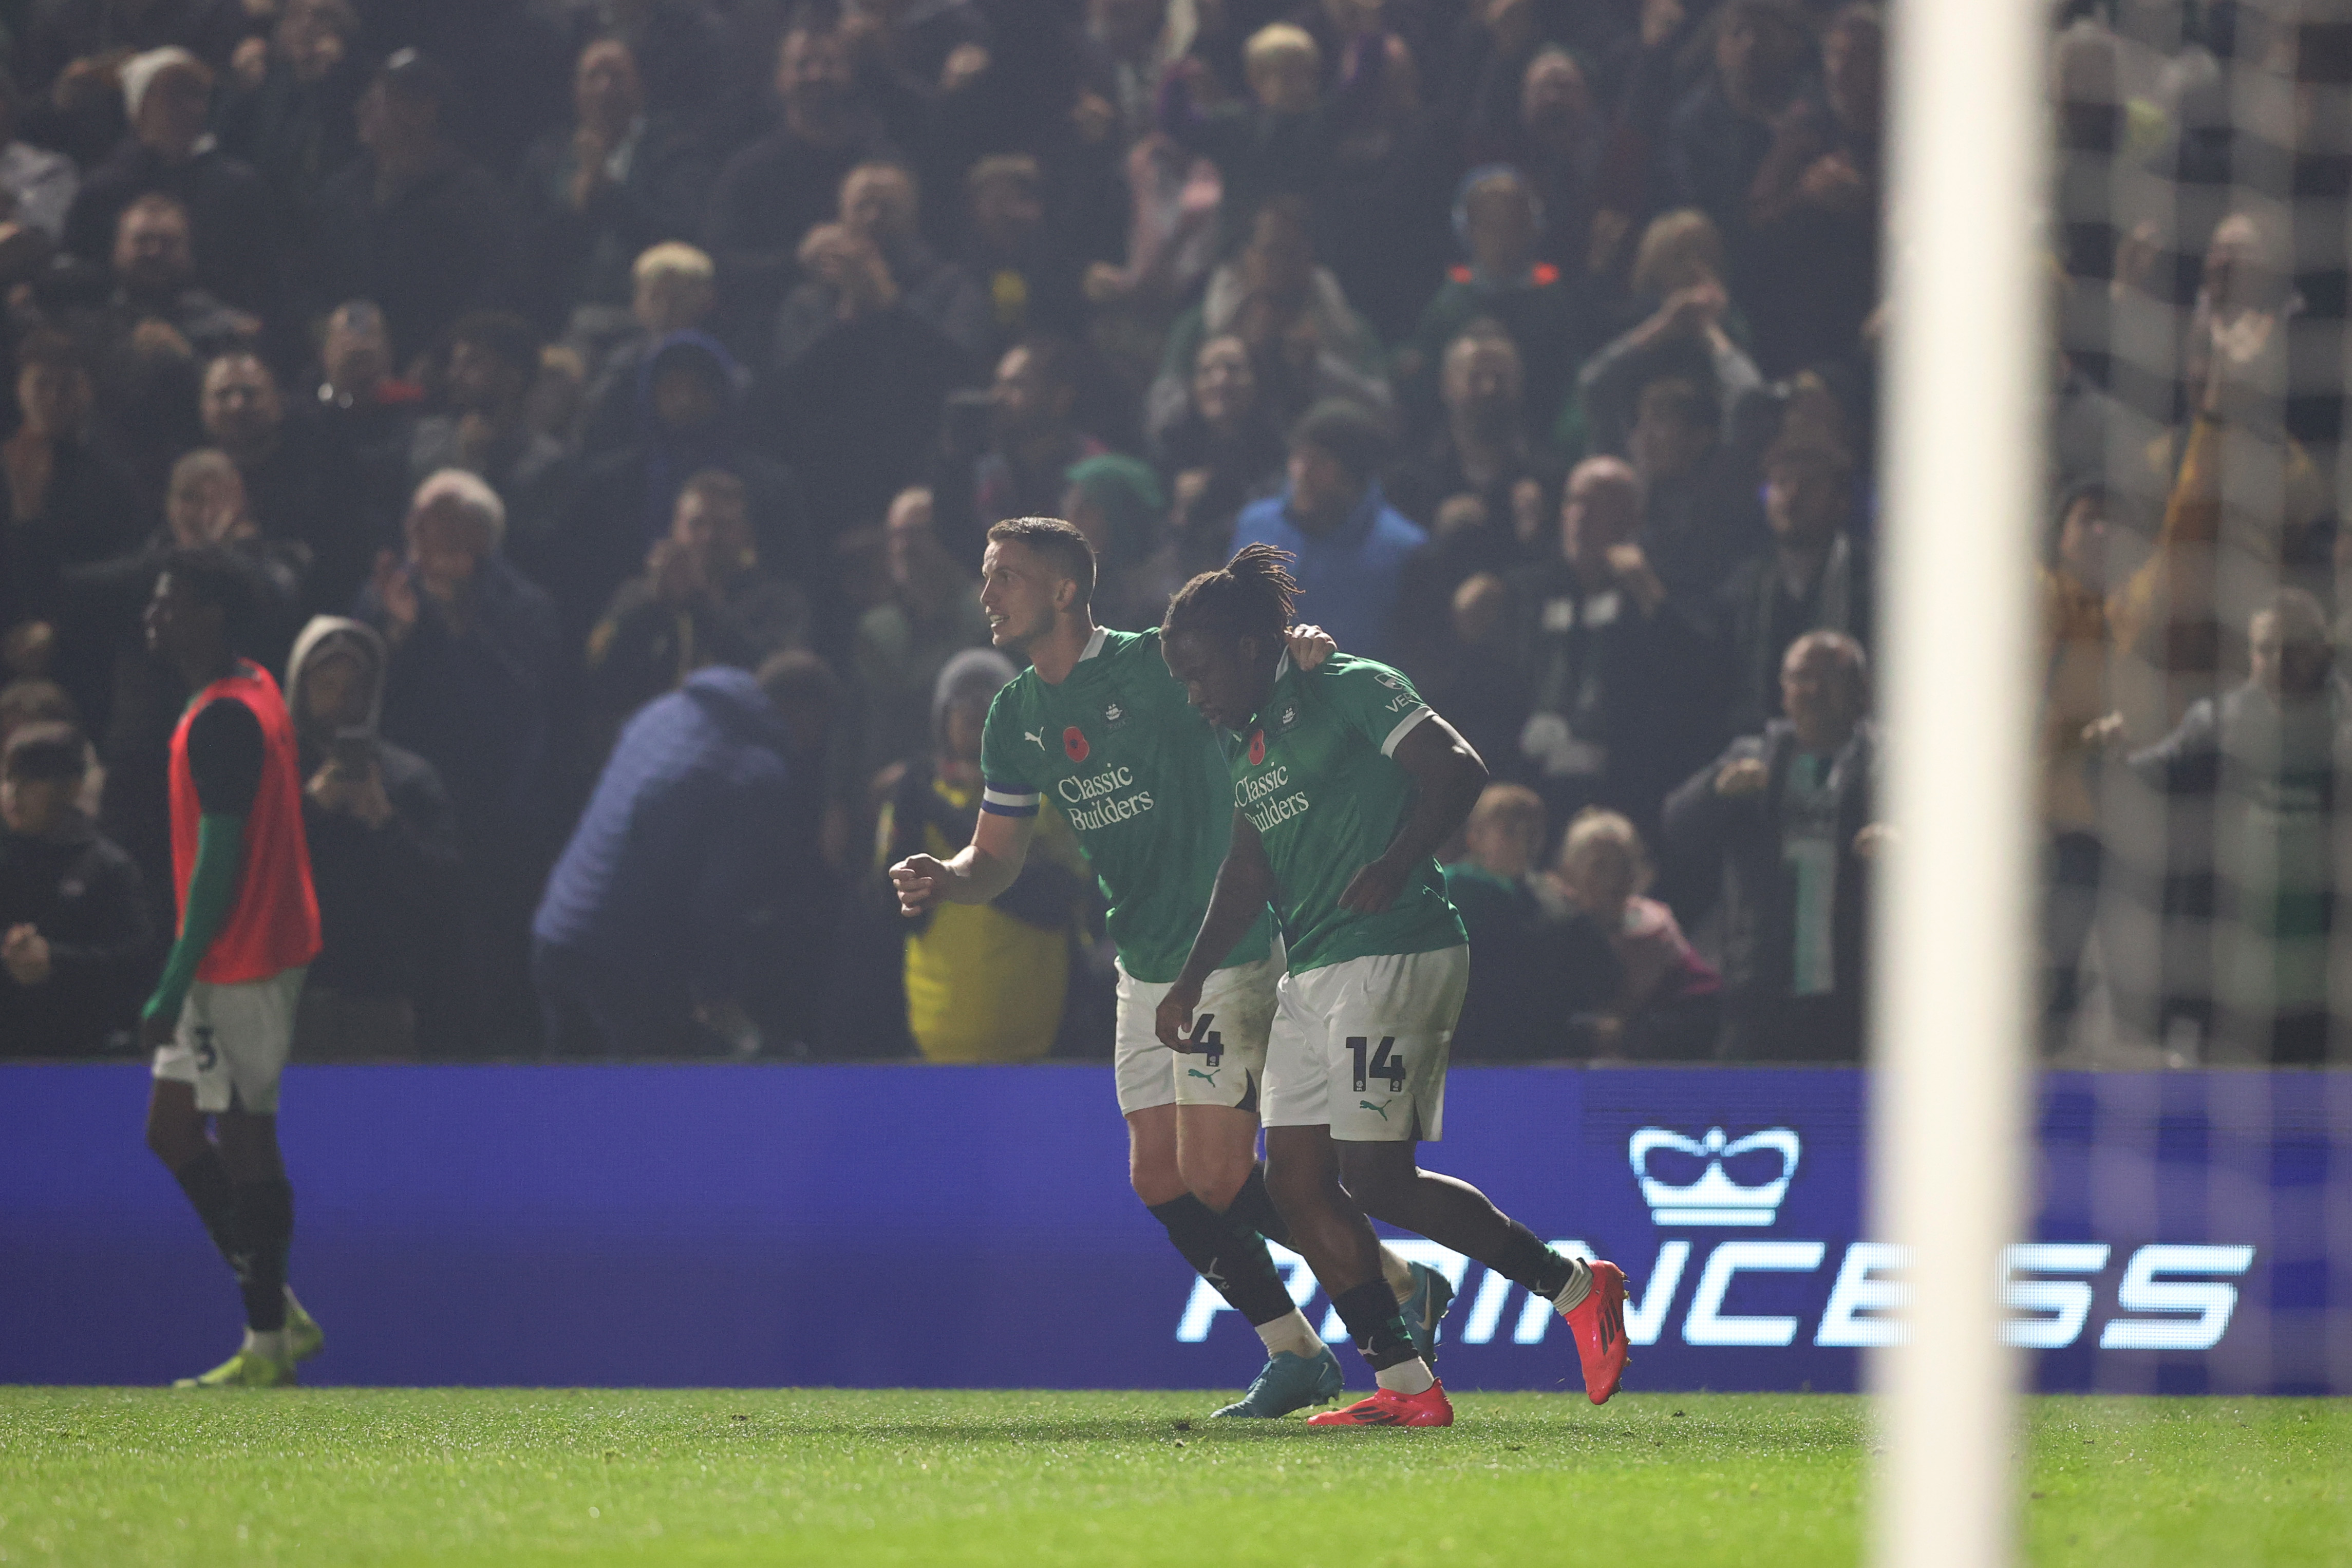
(233, 1043)
(1236, 1009)
(1361, 1045)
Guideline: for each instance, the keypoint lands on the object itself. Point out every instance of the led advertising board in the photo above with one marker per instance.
(901, 1225)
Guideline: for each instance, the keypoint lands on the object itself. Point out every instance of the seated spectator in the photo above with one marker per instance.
(1812, 212)
(1466, 665)
(933, 613)
(657, 921)
(2267, 760)
(1384, 215)
(71, 503)
(1719, 137)
(1784, 820)
(2247, 508)
(1539, 962)
(145, 340)
(206, 504)
(1132, 43)
(290, 112)
(672, 290)
(856, 408)
(366, 416)
(1033, 438)
(77, 944)
(71, 55)
(383, 860)
(1556, 137)
(1690, 329)
(1664, 1005)
(167, 96)
(2077, 650)
(705, 598)
(1222, 452)
(1620, 702)
(1280, 142)
(773, 191)
(1116, 502)
(1352, 546)
(38, 183)
(1481, 457)
(1306, 341)
(689, 419)
(1702, 521)
(414, 223)
(1173, 199)
(486, 372)
(1550, 316)
(1029, 280)
(292, 485)
(598, 195)
(1817, 578)
(880, 204)
(985, 982)
(471, 655)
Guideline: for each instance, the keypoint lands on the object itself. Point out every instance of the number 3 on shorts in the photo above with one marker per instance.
(1386, 1062)
(207, 1053)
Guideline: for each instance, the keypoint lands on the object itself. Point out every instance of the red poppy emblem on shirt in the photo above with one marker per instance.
(1074, 741)
(1257, 747)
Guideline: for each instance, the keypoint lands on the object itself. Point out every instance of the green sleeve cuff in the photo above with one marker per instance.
(212, 889)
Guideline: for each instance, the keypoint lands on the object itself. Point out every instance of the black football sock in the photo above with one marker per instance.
(1230, 1257)
(205, 1181)
(1523, 1260)
(1253, 1206)
(264, 1211)
(1370, 1311)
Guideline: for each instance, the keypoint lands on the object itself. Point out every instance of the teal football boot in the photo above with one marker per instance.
(1288, 1382)
(1432, 1293)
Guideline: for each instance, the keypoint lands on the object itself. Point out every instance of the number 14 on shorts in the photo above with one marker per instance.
(1385, 1062)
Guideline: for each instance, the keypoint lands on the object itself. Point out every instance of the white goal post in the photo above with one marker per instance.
(1967, 390)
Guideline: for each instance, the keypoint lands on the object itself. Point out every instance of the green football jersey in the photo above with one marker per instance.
(1313, 773)
(1136, 772)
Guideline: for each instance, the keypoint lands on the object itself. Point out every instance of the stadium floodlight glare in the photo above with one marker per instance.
(1967, 375)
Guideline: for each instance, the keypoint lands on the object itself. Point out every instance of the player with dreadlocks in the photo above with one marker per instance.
(1344, 785)
(1096, 726)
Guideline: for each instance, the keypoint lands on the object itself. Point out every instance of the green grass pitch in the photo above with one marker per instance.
(1042, 1479)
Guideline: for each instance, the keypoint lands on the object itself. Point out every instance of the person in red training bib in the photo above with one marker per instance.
(222, 1017)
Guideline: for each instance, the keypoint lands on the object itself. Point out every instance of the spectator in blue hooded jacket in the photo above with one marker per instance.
(686, 883)
(1352, 545)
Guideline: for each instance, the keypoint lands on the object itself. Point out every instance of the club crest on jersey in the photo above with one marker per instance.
(1073, 744)
(1114, 715)
(1289, 715)
(1256, 746)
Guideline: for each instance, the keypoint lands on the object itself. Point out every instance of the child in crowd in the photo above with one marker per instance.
(1664, 1005)
(1537, 963)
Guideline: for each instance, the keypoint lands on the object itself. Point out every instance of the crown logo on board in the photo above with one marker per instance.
(1713, 1199)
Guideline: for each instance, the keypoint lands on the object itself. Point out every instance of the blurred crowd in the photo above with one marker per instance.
(608, 399)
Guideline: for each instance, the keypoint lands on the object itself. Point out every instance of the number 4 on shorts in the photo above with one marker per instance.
(1213, 1044)
(1386, 1062)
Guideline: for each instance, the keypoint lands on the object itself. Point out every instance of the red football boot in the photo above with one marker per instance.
(1598, 1324)
(1427, 1408)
